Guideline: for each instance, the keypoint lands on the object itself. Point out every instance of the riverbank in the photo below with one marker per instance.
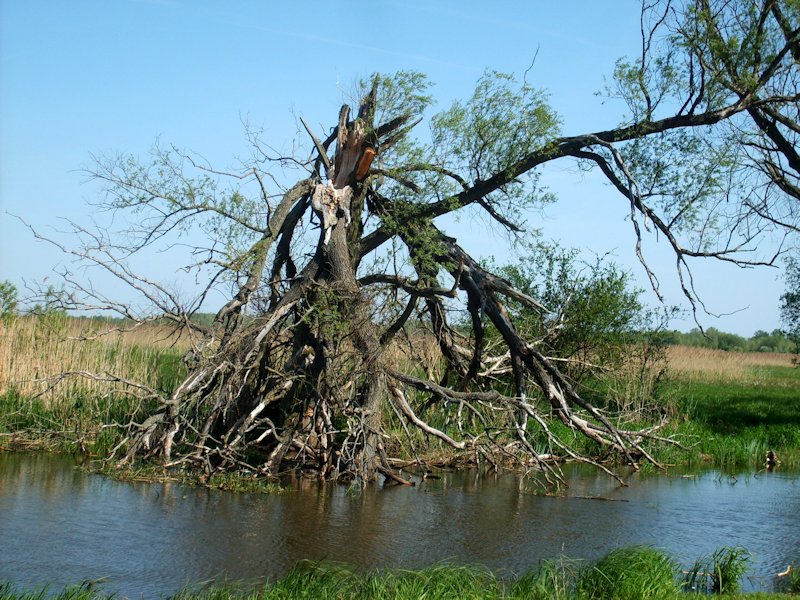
(727, 410)
(732, 410)
(632, 573)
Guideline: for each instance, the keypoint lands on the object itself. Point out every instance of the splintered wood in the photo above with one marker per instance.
(330, 202)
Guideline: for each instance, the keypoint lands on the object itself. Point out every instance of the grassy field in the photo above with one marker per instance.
(628, 573)
(732, 408)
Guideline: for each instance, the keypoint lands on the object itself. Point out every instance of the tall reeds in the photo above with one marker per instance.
(67, 376)
(36, 351)
(703, 363)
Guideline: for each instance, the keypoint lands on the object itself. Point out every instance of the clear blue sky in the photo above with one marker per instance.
(95, 77)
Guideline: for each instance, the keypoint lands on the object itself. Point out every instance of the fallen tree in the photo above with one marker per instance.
(300, 367)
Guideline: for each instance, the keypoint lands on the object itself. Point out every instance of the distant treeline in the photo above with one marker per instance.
(713, 338)
(200, 318)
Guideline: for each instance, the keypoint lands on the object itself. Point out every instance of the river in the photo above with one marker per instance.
(60, 525)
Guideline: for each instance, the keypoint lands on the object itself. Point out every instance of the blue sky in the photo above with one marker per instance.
(85, 78)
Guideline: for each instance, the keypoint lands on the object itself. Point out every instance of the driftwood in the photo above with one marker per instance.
(390, 475)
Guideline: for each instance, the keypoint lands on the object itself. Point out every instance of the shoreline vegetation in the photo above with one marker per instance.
(65, 386)
(627, 573)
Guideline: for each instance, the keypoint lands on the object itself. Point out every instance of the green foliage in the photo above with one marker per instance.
(402, 93)
(9, 300)
(501, 123)
(421, 240)
(684, 196)
(595, 315)
(176, 195)
(790, 303)
(713, 54)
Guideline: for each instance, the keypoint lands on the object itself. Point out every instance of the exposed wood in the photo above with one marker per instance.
(389, 474)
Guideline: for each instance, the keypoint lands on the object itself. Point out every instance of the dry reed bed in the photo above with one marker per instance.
(704, 363)
(34, 351)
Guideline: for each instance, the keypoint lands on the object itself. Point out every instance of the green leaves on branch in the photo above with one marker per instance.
(790, 302)
(9, 300)
(401, 93)
(501, 123)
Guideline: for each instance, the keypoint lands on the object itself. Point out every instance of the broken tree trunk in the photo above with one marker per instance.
(305, 383)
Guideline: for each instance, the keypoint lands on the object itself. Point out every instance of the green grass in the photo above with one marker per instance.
(242, 482)
(633, 573)
(80, 592)
(732, 407)
(735, 423)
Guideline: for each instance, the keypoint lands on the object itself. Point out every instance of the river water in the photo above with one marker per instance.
(60, 525)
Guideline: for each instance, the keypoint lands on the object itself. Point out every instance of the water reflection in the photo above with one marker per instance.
(59, 525)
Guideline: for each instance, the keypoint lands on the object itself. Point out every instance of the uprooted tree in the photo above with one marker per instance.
(340, 278)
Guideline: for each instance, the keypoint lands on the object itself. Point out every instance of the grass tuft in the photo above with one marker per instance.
(84, 591)
(631, 573)
(553, 580)
(720, 574)
(730, 564)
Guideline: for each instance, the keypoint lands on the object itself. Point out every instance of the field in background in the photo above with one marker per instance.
(689, 363)
(34, 350)
(733, 408)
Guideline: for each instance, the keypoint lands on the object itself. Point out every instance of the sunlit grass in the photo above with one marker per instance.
(704, 364)
(47, 410)
(632, 572)
(628, 573)
(733, 421)
(35, 350)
